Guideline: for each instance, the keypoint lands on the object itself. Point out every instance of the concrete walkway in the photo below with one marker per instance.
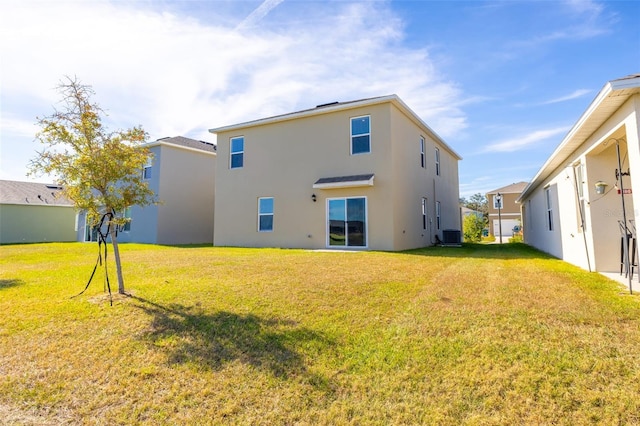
(624, 281)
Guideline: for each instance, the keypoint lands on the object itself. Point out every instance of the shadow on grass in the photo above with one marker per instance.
(485, 251)
(190, 335)
(10, 283)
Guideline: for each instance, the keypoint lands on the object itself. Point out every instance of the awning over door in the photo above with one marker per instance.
(344, 181)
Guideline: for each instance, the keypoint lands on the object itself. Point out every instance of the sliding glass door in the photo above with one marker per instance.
(347, 222)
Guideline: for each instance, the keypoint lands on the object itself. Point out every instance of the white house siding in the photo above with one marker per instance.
(598, 248)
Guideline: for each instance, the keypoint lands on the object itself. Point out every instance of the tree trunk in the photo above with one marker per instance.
(116, 254)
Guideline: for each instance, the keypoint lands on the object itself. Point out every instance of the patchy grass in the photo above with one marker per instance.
(483, 334)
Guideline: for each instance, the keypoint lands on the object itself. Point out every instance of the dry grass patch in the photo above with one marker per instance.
(476, 335)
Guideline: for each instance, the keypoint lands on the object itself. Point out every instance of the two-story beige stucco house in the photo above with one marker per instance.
(366, 174)
(572, 208)
(503, 210)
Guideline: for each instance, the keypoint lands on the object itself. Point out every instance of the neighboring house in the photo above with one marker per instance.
(182, 175)
(366, 174)
(34, 212)
(509, 213)
(564, 212)
(466, 211)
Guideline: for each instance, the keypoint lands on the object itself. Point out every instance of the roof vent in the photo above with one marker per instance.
(328, 104)
(54, 186)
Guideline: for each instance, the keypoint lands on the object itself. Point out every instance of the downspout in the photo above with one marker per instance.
(584, 236)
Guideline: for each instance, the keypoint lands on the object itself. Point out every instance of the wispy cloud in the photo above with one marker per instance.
(525, 141)
(258, 14)
(574, 95)
(176, 75)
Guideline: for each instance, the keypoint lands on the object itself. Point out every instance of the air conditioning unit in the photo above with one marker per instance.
(451, 237)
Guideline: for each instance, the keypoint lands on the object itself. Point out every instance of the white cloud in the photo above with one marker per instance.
(574, 95)
(258, 14)
(176, 75)
(525, 141)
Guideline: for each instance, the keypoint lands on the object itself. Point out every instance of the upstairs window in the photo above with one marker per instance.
(146, 170)
(265, 214)
(423, 162)
(497, 202)
(437, 161)
(361, 135)
(236, 160)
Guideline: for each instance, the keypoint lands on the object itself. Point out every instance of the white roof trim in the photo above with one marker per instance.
(394, 99)
(572, 140)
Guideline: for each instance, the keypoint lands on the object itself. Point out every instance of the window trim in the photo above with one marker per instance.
(437, 161)
(366, 223)
(147, 170)
(235, 153)
(547, 193)
(423, 157)
(260, 214)
(438, 211)
(351, 135)
(495, 202)
(424, 213)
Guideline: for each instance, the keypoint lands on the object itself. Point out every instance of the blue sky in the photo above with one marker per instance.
(501, 81)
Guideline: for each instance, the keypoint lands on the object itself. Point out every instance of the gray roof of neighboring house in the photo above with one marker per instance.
(186, 142)
(514, 188)
(32, 193)
(339, 106)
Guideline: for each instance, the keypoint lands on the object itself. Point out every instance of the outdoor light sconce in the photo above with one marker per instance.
(313, 197)
(601, 187)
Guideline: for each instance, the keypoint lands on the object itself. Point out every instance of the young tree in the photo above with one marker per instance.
(100, 170)
(472, 227)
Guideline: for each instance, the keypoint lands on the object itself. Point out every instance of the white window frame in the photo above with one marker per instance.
(547, 193)
(232, 153)
(497, 202)
(423, 157)
(366, 223)
(147, 170)
(351, 135)
(424, 213)
(438, 210)
(579, 177)
(127, 214)
(272, 214)
(437, 161)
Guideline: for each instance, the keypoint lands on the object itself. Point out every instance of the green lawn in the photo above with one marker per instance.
(484, 334)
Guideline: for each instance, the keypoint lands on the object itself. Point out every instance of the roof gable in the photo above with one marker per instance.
(514, 188)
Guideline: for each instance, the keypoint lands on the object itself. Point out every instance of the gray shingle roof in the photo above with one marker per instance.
(32, 193)
(514, 188)
(189, 143)
(337, 179)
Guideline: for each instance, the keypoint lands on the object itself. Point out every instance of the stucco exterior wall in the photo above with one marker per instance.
(597, 247)
(186, 186)
(283, 160)
(35, 224)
